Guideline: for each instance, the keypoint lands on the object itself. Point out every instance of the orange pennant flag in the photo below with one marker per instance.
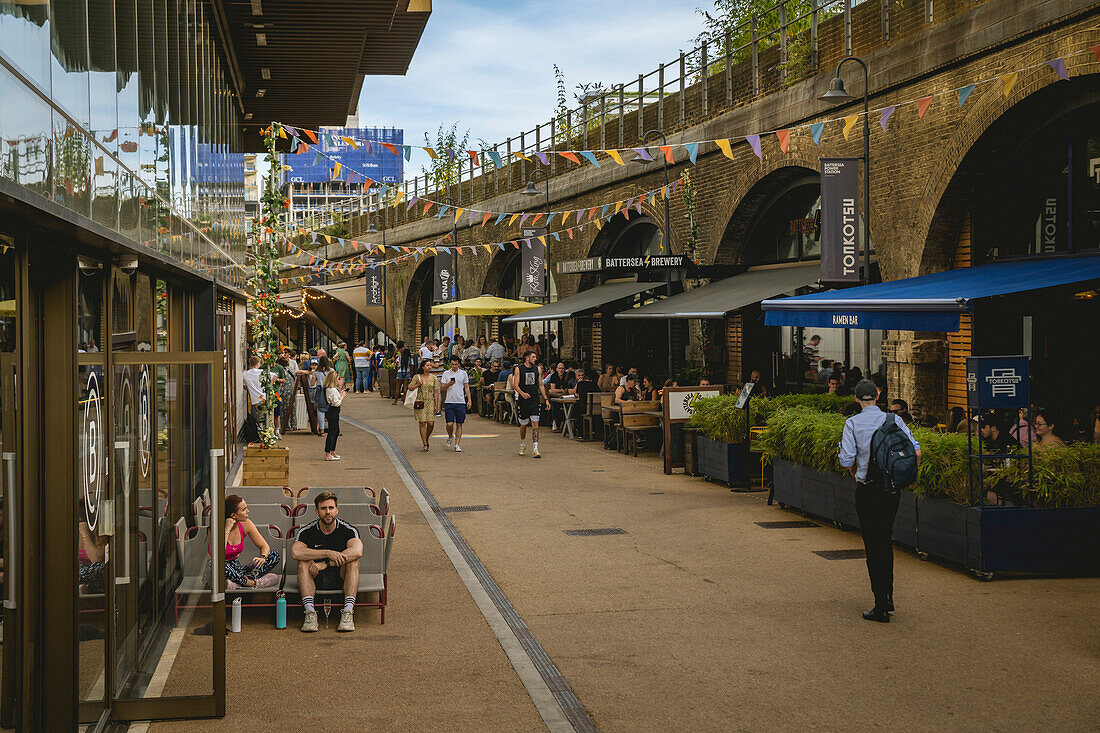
(426, 207)
(1096, 51)
(486, 219)
(366, 185)
(667, 150)
(614, 155)
(850, 122)
(473, 157)
(303, 147)
(389, 147)
(724, 145)
(923, 104)
(536, 219)
(311, 136)
(570, 232)
(431, 153)
(784, 137)
(568, 155)
(591, 213)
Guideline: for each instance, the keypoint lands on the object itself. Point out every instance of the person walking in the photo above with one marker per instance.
(362, 358)
(334, 395)
(528, 384)
(404, 373)
(875, 506)
(427, 400)
(458, 400)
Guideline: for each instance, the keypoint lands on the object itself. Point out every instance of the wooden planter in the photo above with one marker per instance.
(387, 382)
(982, 539)
(725, 462)
(266, 466)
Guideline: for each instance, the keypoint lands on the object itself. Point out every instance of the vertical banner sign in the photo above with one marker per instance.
(840, 220)
(445, 289)
(374, 281)
(533, 269)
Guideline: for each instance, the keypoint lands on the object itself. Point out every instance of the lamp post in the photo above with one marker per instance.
(668, 234)
(532, 190)
(454, 245)
(382, 266)
(838, 95)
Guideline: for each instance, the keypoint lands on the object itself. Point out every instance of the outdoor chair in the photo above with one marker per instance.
(633, 425)
(275, 532)
(373, 569)
(609, 415)
(592, 416)
(193, 547)
(344, 495)
(264, 494)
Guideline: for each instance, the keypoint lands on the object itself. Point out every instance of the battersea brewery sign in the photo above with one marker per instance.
(840, 220)
(633, 264)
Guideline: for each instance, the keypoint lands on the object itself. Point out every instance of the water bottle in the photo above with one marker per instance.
(235, 621)
(280, 610)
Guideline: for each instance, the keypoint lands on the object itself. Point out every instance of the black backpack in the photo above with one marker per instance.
(893, 455)
(318, 397)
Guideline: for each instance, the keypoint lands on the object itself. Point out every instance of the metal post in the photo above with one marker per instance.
(603, 120)
(683, 73)
(703, 75)
(668, 236)
(729, 71)
(553, 142)
(660, 97)
(622, 110)
(813, 34)
(782, 41)
(755, 58)
(641, 102)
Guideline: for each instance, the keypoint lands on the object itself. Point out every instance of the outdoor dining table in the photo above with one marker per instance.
(567, 405)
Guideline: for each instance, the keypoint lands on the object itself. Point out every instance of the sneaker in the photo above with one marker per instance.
(535, 453)
(270, 580)
(458, 449)
(522, 449)
(310, 623)
(332, 458)
(450, 442)
(347, 623)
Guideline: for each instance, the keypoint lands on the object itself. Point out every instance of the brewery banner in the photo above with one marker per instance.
(533, 269)
(446, 279)
(840, 220)
(374, 277)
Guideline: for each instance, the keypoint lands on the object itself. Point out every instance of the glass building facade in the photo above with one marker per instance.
(120, 111)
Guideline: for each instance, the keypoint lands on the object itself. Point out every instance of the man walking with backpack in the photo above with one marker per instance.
(883, 456)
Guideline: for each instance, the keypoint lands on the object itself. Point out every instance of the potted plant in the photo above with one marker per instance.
(387, 378)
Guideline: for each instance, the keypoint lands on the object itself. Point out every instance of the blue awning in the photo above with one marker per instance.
(929, 302)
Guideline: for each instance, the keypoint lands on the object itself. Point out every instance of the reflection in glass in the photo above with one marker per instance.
(89, 321)
(93, 532)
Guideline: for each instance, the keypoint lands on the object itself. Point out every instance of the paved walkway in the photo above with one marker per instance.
(696, 618)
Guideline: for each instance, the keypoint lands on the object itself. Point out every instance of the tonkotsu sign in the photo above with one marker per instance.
(840, 220)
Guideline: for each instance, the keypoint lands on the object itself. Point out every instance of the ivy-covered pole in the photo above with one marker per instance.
(263, 288)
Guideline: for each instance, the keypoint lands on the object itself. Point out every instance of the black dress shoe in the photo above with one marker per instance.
(875, 614)
(890, 603)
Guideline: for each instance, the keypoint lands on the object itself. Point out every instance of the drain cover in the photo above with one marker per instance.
(470, 508)
(793, 524)
(841, 554)
(593, 532)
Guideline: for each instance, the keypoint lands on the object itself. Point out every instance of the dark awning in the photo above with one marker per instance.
(723, 296)
(585, 300)
(928, 302)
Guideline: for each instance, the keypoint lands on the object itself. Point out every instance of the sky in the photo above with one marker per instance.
(489, 65)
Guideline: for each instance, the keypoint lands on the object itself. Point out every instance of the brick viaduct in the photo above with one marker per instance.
(919, 203)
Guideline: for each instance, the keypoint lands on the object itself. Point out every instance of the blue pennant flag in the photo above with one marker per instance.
(408, 151)
(693, 151)
(603, 212)
(589, 156)
(442, 211)
(318, 158)
(499, 219)
(815, 130)
(495, 157)
(964, 93)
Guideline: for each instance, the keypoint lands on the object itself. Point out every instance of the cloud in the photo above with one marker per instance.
(489, 66)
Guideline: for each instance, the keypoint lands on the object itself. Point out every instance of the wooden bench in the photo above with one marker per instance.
(592, 415)
(609, 414)
(634, 423)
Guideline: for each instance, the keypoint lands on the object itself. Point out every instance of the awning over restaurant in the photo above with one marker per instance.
(353, 294)
(583, 301)
(929, 302)
(723, 296)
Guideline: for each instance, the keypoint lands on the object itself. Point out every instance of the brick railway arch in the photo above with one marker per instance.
(994, 132)
(417, 294)
(621, 237)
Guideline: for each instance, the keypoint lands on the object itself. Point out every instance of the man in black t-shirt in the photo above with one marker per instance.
(328, 552)
(562, 383)
(527, 381)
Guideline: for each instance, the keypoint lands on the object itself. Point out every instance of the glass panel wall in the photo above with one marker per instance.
(119, 110)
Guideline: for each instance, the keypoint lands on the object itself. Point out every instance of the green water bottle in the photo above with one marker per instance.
(280, 610)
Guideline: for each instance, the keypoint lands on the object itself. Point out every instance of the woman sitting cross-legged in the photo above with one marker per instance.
(256, 573)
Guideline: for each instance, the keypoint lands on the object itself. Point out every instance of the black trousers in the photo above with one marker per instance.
(876, 510)
(332, 422)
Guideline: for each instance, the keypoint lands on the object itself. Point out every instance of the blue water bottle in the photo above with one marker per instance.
(280, 611)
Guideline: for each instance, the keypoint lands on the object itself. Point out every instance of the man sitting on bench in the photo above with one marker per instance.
(328, 552)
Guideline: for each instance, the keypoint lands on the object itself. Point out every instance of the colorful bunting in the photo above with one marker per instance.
(614, 155)
(923, 104)
(964, 93)
(667, 150)
(815, 131)
(1058, 66)
(643, 154)
(754, 141)
(590, 157)
(725, 147)
(784, 137)
(1008, 81)
(692, 151)
(849, 122)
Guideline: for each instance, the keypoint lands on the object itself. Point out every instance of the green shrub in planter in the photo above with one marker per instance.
(719, 419)
(1063, 476)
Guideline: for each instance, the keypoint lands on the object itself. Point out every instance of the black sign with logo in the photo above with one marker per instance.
(840, 220)
(445, 287)
(374, 282)
(532, 268)
(995, 382)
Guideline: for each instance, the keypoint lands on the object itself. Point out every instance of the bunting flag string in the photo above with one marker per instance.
(691, 149)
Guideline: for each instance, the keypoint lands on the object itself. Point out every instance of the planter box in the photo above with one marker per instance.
(266, 466)
(691, 452)
(982, 539)
(387, 382)
(725, 462)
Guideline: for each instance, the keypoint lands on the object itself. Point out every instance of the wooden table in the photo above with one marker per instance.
(567, 405)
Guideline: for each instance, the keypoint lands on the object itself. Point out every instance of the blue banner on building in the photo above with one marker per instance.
(996, 382)
(371, 159)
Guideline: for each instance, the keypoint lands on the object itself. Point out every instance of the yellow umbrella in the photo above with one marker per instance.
(483, 305)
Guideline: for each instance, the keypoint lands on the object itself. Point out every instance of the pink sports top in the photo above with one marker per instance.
(232, 552)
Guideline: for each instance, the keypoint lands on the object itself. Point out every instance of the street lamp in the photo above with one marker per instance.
(532, 190)
(372, 230)
(668, 235)
(838, 95)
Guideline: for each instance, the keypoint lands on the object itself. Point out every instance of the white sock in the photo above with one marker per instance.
(535, 445)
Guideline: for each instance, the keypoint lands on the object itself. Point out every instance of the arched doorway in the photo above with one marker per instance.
(418, 319)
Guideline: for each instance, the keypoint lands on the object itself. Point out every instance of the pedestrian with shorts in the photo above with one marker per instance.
(529, 387)
(456, 383)
(875, 505)
(426, 385)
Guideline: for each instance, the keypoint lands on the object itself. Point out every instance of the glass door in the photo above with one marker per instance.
(10, 451)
